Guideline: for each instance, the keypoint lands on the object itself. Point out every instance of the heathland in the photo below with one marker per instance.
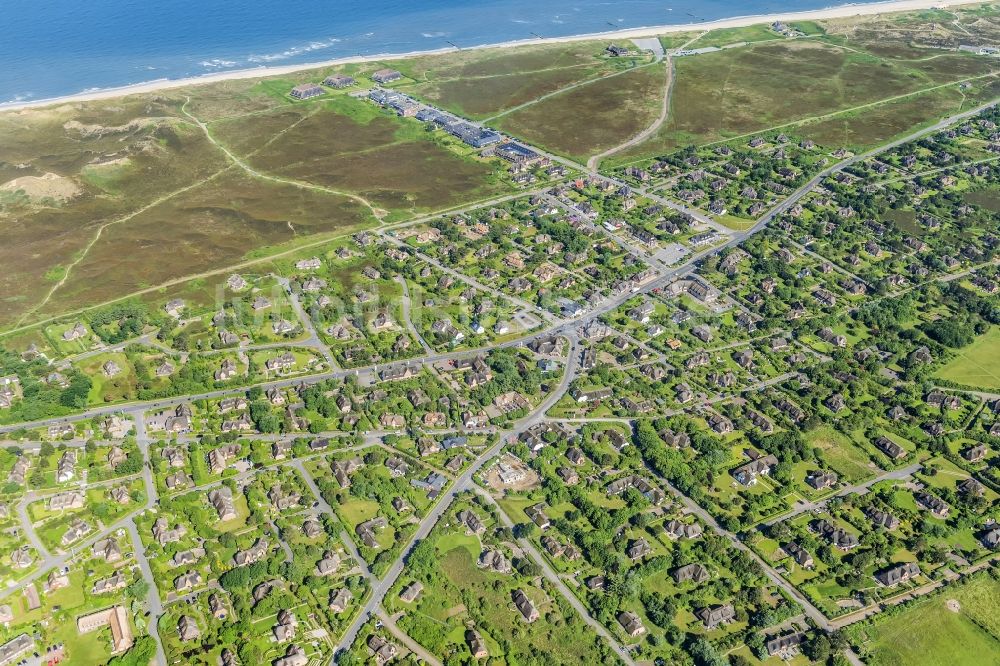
(112, 197)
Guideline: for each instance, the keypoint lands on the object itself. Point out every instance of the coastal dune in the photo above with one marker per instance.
(844, 11)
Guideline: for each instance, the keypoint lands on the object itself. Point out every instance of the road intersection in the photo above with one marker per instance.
(568, 329)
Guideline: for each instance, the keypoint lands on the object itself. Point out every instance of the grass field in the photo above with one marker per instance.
(594, 117)
(930, 634)
(988, 199)
(351, 146)
(675, 40)
(977, 365)
(840, 453)
(493, 62)
(489, 82)
(749, 89)
(486, 96)
(878, 124)
(725, 36)
(437, 620)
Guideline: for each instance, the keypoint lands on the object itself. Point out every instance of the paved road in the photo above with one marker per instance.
(39, 495)
(554, 578)
(325, 507)
(619, 240)
(857, 488)
(684, 210)
(381, 587)
(836, 267)
(407, 320)
(927, 588)
(390, 624)
(153, 601)
(152, 499)
(27, 527)
(462, 277)
(814, 613)
(313, 340)
(561, 327)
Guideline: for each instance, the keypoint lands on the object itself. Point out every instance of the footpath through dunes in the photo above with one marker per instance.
(159, 195)
(592, 117)
(108, 152)
(480, 84)
(213, 225)
(595, 161)
(348, 146)
(738, 91)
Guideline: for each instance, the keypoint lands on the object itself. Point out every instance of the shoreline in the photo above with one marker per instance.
(264, 71)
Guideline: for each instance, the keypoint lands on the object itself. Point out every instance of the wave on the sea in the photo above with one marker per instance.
(294, 51)
(218, 63)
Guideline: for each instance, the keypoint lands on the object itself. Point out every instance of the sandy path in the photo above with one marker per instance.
(560, 91)
(82, 253)
(378, 213)
(594, 162)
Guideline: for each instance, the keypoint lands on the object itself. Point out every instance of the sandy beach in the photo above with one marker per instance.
(845, 11)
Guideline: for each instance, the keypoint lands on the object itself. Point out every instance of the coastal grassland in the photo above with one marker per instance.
(208, 227)
(494, 81)
(591, 118)
(483, 97)
(246, 134)
(474, 63)
(977, 365)
(351, 146)
(231, 98)
(725, 36)
(929, 633)
(673, 40)
(878, 124)
(738, 91)
(120, 155)
(904, 35)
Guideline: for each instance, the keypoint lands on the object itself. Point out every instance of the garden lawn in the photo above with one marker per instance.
(840, 453)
